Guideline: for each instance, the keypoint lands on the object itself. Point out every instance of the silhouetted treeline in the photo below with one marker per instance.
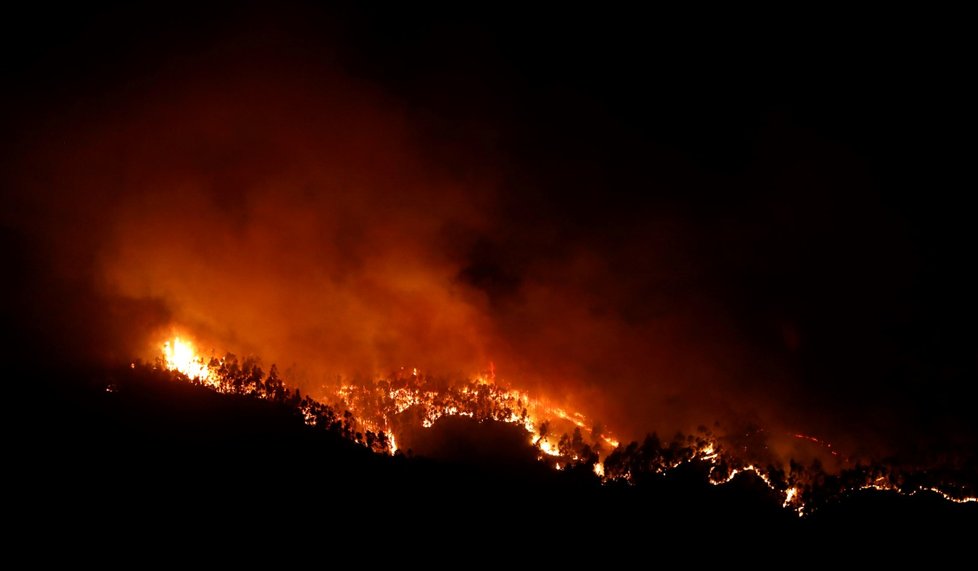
(813, 486)
(131, 444)
(229, 375)
(401, 401)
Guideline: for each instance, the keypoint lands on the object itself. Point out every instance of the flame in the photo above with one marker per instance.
(547, 448)
(374, 410)
(789, 495)
(378, 405)
(949, 497)
(181, 356)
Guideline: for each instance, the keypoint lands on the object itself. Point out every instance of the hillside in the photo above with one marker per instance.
(133, 443)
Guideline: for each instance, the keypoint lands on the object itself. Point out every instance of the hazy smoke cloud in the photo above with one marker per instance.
(278, 206)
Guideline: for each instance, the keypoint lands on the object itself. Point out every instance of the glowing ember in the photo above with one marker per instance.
(950, 498)
(826, 445)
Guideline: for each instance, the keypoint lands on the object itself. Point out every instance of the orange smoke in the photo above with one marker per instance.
(274, 206)
(295, 223)
(290, 212)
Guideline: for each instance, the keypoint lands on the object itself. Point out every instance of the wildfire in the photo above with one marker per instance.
(790, 497)
(377, 407)
(180, 355)
(381, 405)
(826, 445)
(373, 413)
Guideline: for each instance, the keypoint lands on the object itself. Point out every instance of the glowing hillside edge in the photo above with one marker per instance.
(373, 413)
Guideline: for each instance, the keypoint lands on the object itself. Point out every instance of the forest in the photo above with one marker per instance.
(140, 440)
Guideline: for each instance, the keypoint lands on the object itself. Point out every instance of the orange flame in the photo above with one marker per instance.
(485, 400)
(180, 355)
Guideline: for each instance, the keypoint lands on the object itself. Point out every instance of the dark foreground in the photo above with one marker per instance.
(151, 455)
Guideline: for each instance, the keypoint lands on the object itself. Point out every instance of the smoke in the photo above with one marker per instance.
(278, 219)
(270, 203)
(295, 219)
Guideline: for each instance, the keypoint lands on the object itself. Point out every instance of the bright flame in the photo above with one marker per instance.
(789, 496)
(180, 355)
(377, 407)
(376, 410)
(547, 448)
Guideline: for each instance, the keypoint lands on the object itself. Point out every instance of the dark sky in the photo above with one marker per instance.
(672, 218)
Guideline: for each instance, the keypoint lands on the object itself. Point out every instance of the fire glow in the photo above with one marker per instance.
(374, 413)
(180, 355)
(385, 406)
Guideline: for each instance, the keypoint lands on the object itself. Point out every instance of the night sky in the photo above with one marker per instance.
(671, 219)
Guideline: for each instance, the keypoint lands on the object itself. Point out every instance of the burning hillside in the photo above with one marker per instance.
(642, 256)
(375, 413)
